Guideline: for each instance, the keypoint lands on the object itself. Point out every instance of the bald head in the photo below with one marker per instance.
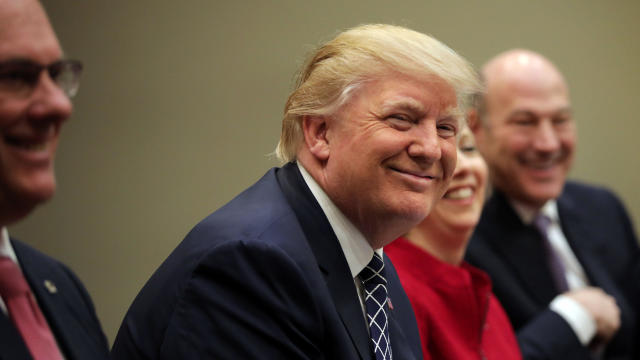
(521, 72)
(527, 134)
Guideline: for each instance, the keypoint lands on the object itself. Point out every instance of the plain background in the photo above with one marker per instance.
(181, 103)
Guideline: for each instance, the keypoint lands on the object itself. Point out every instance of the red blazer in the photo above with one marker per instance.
(458, 316)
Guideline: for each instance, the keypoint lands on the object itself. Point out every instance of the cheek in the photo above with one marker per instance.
(480, 170)
(568, 142)
(448, 158)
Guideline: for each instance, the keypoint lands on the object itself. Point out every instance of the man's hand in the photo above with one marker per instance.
(603, 309)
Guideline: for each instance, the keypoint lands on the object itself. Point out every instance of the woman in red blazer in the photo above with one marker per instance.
(458, 316)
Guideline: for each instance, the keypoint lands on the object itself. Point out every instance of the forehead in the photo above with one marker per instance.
(542, 93)
(25, 32)
(402, 92)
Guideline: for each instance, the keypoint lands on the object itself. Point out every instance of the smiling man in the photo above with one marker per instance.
(46, 312)
(293, 267)
(563, 256)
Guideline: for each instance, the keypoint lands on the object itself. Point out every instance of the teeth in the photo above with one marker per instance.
(461, 193)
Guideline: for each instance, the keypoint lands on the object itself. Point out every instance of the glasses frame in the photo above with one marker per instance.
(19, 77)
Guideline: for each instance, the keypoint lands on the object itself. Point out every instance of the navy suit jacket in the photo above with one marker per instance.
(601, 236)
(64, 302)
(264, 277)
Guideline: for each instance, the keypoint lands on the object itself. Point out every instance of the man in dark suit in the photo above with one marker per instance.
(563, 256)
(284, 270)
(45, 311)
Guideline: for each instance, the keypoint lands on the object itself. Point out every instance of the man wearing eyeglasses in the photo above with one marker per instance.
(45, 312)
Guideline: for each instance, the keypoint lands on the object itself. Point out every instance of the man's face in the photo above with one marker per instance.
(528, 137)
(392, 151)
(29, 122)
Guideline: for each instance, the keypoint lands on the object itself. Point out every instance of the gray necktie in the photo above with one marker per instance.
(556, 266)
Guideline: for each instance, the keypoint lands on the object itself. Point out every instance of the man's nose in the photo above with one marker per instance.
(48, 101)
(546, 137)
(425, 144)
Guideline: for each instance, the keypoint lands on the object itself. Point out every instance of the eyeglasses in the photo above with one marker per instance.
(20, 77)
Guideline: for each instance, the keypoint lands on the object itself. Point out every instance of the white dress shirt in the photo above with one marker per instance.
(6, 250)
(355, 246)
(578, 318)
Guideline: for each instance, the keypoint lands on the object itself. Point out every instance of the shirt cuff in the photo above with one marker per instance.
(578, 318)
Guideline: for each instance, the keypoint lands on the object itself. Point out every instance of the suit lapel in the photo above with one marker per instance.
(51, 300)
(582, 245)
(585, 247)
(12, 347)
(521, 246)
(403, 329)
(329, 255)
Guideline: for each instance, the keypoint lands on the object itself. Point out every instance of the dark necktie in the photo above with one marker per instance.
(555, 264)
(375, 288)
(25, 313)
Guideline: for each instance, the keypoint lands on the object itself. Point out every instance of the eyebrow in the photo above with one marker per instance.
(562, 111)
(403, 103)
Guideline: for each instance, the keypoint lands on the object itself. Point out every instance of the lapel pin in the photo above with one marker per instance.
(389, 303)
(50, 286)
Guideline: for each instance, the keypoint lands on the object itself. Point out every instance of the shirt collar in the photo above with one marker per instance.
(5, 245)
(355, 246)
(528, 213)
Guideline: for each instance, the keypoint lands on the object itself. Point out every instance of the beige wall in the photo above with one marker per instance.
(181, 103)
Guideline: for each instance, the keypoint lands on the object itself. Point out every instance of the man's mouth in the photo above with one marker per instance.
(26, 143)
(418, 174)
(33, 141)
(542, 163)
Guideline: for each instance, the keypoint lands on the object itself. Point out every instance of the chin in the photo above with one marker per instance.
(540, 196)
(36, 194)
(413, 216)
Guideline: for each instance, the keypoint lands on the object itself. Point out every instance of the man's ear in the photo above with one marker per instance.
(314, 129)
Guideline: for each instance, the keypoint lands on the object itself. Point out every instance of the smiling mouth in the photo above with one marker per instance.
(460, 193)
(414, 174)
(542, 163)
(29, 144)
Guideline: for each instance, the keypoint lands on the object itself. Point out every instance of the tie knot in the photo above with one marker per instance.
(542, 223)
(12, 282)
(373, 273)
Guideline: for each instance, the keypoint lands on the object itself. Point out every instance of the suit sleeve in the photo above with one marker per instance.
(245, 301)
(548, 336)
(88, 319)
(629, 278)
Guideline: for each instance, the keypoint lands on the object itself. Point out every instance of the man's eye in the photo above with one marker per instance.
(400, 117)
(17, 77)
(524, 122)
(446, 130)
(400, 121)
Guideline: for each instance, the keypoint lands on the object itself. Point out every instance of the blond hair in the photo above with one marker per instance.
(339, 67)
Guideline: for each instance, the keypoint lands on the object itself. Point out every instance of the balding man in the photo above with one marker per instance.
(45, 312)
(563, 256)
